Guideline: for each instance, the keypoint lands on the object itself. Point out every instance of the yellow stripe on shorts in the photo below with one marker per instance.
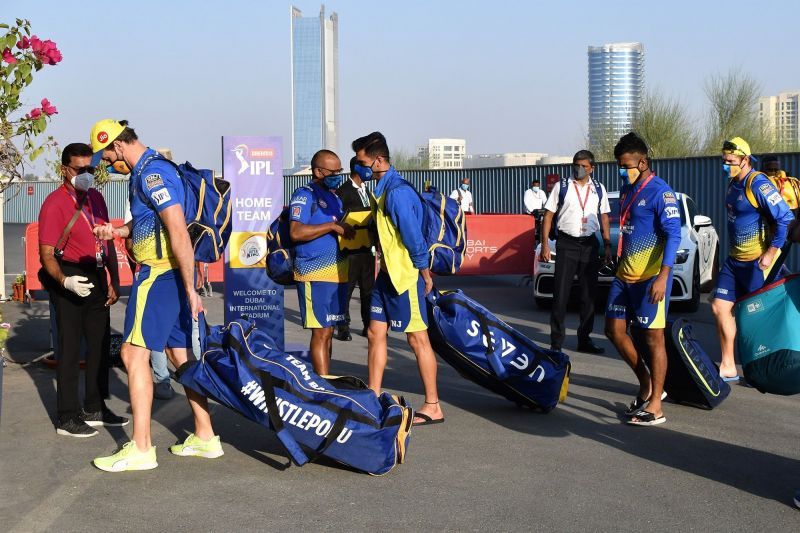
(135, 337)
(310, 319)
(415, 323)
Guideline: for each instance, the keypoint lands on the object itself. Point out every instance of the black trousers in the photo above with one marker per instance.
(574, 256)
(82, 317)
(362, 273)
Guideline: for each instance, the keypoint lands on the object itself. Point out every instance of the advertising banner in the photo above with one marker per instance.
(254, 167)
(499, 244)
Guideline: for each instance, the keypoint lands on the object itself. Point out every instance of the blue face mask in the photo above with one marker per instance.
(334, 181)
(464, 187)
(365, 173)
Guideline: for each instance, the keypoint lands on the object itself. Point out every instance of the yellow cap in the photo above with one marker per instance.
(737, 146)
(104, 132)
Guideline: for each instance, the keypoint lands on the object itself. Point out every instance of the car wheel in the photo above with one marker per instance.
(709, 285)
(544, 303)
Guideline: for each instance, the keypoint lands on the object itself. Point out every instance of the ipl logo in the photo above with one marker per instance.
(257, 161)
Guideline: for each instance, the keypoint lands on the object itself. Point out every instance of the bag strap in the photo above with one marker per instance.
(68, 228)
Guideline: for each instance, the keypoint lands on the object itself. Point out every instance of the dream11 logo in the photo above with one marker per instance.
(256, 161)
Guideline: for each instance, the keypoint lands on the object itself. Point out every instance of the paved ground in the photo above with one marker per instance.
(491, 466)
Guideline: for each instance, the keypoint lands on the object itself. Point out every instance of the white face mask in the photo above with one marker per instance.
(82, 182)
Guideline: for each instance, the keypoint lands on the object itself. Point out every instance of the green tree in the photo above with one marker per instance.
(22, 55)
(666, 126)
(405, 160)
(732, 112)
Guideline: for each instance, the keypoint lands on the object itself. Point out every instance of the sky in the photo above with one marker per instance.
(505, 75)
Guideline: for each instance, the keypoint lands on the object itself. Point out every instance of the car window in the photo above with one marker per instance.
(613, 216)
(693, 211)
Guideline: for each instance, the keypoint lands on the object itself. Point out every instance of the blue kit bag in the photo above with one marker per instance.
(280, 250)
(445, 232)
(692, 377)
(768, 336)
(486, 350)
(335, 417)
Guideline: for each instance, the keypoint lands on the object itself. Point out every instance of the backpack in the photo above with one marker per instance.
(207, 209)
(445, 232)
(788, 186)
(563, 188)
(281, 247)
(313, 416)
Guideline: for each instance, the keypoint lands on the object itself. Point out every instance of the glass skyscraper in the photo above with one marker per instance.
(315, 84)
(616, 84)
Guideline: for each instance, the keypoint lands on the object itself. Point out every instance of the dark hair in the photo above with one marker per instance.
(583, 155)
(353, 163)
(770, 159)
(630, 144)
(319, 155)
(75, 150)
(127, 136)
(374, 145)
(536, 180)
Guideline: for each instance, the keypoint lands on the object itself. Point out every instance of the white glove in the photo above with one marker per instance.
(78, 285)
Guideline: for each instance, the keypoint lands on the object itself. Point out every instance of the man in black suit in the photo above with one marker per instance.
(355, 197)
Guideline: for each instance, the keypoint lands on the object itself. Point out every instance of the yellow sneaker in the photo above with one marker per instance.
(193, 446)
(128, 458)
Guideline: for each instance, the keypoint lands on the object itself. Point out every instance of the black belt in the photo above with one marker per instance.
(569, 237)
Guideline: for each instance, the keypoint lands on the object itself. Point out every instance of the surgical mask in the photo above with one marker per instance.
(82, 182)
(578, 172)
(535, 189)
(629, 175)
(731, 171)
(464, 187)
(334, 181)
(365, 173)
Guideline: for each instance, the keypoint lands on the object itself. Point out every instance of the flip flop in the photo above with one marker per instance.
(646, 418)
(729, 379)
(427, 420)
(639, 404)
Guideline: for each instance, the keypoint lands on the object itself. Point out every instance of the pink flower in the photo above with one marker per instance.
(23, 43)
(5, 325)
(34, 114)
(45, 51)
(48, 108)
(8, 57)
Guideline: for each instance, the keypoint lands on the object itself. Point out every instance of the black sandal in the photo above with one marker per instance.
(646, 418)
(427, 421)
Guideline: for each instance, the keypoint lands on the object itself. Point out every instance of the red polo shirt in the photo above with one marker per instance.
(56, 212)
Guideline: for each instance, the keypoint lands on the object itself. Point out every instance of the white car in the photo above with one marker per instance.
(696, 265)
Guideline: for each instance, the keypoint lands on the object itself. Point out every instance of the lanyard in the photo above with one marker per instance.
(362, 193)
(99, 246)
(625, 209)
(582, 203)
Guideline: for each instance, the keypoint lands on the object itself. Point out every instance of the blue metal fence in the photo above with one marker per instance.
(495, 190)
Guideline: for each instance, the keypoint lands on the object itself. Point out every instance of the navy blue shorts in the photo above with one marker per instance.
(631, 302)
(404, 312)
(322, 303)
(158, 314)
(737, 278)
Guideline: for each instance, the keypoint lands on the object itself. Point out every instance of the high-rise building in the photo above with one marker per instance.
(616, 84)
(443, 153)
(780, 117)
(315, 84)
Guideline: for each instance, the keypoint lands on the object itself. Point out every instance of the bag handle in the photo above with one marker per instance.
(68, 228)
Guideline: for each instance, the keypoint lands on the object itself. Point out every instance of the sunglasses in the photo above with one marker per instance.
(81, 170)
(728, 146)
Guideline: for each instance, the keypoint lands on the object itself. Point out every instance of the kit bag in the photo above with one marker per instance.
(486, 350)
(692, 377)
(768, 336)
(313, 416)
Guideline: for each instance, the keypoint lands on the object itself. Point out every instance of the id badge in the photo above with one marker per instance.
(99, 258)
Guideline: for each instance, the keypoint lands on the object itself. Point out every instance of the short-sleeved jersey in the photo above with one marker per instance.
(319, 259)
(750, 235)
(155, 185)
(652, 231)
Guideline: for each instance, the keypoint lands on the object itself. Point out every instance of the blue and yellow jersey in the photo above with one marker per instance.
(154, 186)
(318, 259)
(750, 235)
(652, 231)
(399, 218)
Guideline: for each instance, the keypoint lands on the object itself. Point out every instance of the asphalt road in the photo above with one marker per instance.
(490, 466)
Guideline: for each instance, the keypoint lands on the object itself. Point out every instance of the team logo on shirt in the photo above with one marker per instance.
(300, 200)
(159, 197)
(295, 212)
(672, 212)
(669, 198)
(642, 203)
(765, 188)
(152, 181)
